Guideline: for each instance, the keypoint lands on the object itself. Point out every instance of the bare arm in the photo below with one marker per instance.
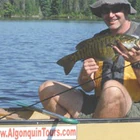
(87, 73)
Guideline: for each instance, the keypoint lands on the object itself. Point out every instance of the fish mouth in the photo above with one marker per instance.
(137, 45)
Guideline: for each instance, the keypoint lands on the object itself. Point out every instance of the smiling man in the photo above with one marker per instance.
(114, 14)
(117, 93)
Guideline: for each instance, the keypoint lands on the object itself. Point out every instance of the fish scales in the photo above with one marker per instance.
(80, 53)
(101, 51)
(84, 52)
(99, 47)
(87, 51)
(91, 49)
(96, 48)
(93, 45)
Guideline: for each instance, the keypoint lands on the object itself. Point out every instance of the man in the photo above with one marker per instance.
(117, 93)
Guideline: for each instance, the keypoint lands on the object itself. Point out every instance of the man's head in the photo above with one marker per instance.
(114, 14)
(97, 8)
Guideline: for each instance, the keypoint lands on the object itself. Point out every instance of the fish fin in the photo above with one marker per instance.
(67, 63)
(82, 44)
(79, 45)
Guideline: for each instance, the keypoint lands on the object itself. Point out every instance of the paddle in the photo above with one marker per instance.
(35, 108)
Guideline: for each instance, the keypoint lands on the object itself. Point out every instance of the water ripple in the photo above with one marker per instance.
(29, 51)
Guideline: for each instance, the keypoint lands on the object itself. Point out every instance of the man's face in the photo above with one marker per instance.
(113, 16)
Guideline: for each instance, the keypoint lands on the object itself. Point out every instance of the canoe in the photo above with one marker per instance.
(37, 126)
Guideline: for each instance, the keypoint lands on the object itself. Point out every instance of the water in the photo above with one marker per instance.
(29, 51)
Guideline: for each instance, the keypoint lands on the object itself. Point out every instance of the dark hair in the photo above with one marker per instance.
(126, 8)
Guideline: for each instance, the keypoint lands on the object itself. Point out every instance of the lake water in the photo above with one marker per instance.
(29, 51)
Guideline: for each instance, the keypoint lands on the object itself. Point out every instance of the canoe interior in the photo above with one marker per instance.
(31, 116)
(27, 114)
(96, 129)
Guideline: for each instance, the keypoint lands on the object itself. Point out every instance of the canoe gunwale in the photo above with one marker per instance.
(101, 129)
(56, 121)
(27, 120)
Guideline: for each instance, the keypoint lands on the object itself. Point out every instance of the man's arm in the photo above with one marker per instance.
(87, 74)
(84, 79)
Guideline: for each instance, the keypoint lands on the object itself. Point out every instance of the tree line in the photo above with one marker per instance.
(51, 8)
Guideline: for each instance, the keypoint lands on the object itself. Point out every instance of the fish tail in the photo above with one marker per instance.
(67, 63)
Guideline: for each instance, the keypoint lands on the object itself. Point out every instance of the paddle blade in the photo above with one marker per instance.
(35, 108)
(70, 121)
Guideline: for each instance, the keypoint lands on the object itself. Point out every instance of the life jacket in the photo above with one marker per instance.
(120, 71)
(128, 80)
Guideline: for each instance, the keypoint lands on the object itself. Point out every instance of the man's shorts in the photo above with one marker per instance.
(134, 111)
(89, 103)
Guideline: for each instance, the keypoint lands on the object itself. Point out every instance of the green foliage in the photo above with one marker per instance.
(133, 3)
(67, 6)
(31, 7)
(45, 7)
(7, 10)
(137, 6)
(55, 7)
(52, 8)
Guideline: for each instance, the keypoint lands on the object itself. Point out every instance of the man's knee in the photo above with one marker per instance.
(113, 90)
(45, 85)
(112, 83)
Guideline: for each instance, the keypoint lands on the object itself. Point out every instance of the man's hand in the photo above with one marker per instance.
(90, 67)
(132, 55)
(87, 74)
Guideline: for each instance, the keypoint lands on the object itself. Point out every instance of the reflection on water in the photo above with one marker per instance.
(29, 51)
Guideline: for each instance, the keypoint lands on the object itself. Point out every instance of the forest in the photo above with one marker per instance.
(48, 9)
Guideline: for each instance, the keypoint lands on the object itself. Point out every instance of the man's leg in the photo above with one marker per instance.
(114, 101)
(68, 104)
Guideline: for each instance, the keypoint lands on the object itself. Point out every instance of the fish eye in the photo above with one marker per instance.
(138, 43)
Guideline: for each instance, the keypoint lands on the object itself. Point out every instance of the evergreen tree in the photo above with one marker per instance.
(70, 6)
(138, 6)
(133, 2)
(7, 10)
(76, 7)
(28, 7)
(65, 6)
(83, 5)
(55, 7)
(45, 7)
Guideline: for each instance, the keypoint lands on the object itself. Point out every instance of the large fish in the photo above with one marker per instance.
(99, 47)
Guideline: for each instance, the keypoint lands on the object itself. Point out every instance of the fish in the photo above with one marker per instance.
(99, 47)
